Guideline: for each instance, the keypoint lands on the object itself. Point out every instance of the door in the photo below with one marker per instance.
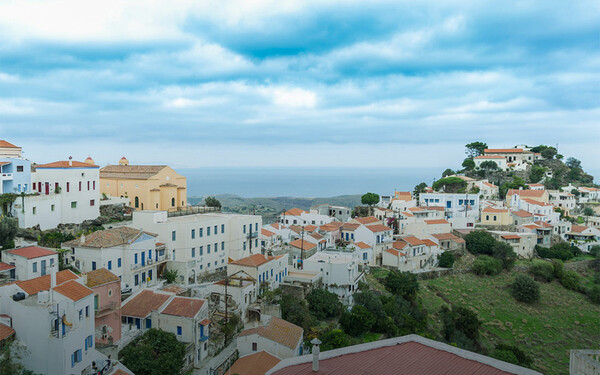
(43, 266)
(47, 188)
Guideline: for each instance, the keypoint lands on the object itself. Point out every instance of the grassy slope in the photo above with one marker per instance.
(561, 321)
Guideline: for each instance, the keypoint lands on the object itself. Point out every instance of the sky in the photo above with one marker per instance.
(264, 83)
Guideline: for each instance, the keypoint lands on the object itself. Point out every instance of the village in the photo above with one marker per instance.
(133, 258)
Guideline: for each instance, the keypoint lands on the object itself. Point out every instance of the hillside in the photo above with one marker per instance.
(270, 207)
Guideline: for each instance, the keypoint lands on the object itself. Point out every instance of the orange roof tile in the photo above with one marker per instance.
(378, 228)
(503, 150)
(402, 196)
(429, 242)
(510, 237)
(254, 364)
(399, 245)
(350, 226)
(73, 290)
(489, 157)
(109, 237)
(413, 241)
(5, 144)
(367, 220)
(306, 246)
(34, 286)
(101, 276)
(143, 304)
(578, 228)
(329, 227)
(407, 214)
(526, 193)
(531, 226)
(266, 233)
(5, 331)
(184, 306)
(316, 236)
(492, 210)
(6, 266)
(65, 164)
(205, 322)
(531, 201)
(310, 228)
(279, 331)
(295, 212)
(394, 252)
(31, 252)
(362, 245)
(444, 236)
(522, 213)
(254, 260)
(415, 209)
(438, 221)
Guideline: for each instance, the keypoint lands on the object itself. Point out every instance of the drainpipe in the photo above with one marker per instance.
(315, 351)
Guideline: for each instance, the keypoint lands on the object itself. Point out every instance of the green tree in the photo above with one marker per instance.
(505, 253)
(446, 259)
(573, 163)
(324, 304)
(334, 339)
(461, 326)
(372, 302)
(486, 265)
(170, 276)
(468, 164)
(480, 242)
(588, 211)
(489, 165)
(212, 202)
(156, 352)
(369, 199)
(517, 182)
(420, 188)
(543, 271)
(594, 294)
(571, 280)
(536, 173)
(408, 317)
(447, 172)
(9, 227)
(525, 289)
(549, 153)
(358, 321)
(404, 284)
(512, 354)
(475, 149)
(450, 185)
(296, 311)
(9, 360)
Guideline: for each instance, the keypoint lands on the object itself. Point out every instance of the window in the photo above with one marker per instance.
(173, 235)
(172, 202)
(93, 266)
(256, 226)
(207, 249)
(87, 308)
(19, 168)
(68, 185)
(80, 314)
(136, 280)
(216, 247)
(200, 230)
(34, 267)
(88, 185)
(494, 217)
(254, 346)
(223, 245)
(216, 229)
(193, 234)
(33, 210)
(110, 292)
(76, 357)
(244, 230)
(208, 231)
(92, 202)
(487, 217)
(73, 204)
(110, 265)
(94, 185)
(89, 343)
(256, 242)
(135, 256)
(201, 251)
(51, 262)
(51, 207)
(79, 185)
(244, 246)
(119, 263)
(137, 202)
(179, 330)
(193, 252)
(222, 228)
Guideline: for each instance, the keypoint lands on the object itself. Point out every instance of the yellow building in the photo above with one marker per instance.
(495, 216)
(148, 187)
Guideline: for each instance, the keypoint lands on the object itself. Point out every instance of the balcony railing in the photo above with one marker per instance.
(6, 176)
(252, 235)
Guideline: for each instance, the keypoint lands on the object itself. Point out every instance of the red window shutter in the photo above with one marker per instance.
(79, 185)
(67, 187)
(88, 185)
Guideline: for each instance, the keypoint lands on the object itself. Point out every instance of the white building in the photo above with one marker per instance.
(498, 159)
(522, 244)
(339, 270)
(296, 216)
(30, 261)
(563, 200)
(131, 254)
(242, 292)
(68, 194)
(455, 205)
(268, 270)
(53, 317)
(487, 190)
(411, 254)
(199, 244)
(277, 337)
(338, 213)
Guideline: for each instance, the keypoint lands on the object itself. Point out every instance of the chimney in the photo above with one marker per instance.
(82, 239)
(315, 351)
(70, 161)
(52, 275)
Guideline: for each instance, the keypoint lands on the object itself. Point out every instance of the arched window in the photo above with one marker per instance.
(137, 202)
(172, 202)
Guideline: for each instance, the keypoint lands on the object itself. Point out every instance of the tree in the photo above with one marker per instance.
(543, 271)
(9, 360)
(295, 311)
(334, 339)
(407, 317)
(156, 352)
(8, 231)
(536, 173)
(571, 280)
(420, 188)
(404, 284)
(450, 185)
(372, 302)
(468, 164)
(573, 163)
(517, 182)
(324, 304)
(358, 321)
(489, 165)
(212, 202)
(576, 193)
(480, 242)
(475, 149)
(170, 276)
(511, 354)
(446, 259)
(588, 211)
(525, 289)
(369, 199)
(549, 153)
(447, 172)
(461, 326)
(504, 253)
(486, 265)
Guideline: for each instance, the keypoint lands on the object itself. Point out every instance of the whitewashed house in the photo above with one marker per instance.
(563, 200)
(268, 270)
(454, 204)
(30, 262)
(277, 337)
(339, 270)
(296, 216)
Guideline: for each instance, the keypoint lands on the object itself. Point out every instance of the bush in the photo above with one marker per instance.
(504, 252)
(594, 294)
(562, 251)
(525, 289)
(595, 250)
(446, 259)
(558, 268)
(460, 326)
(324, 304)
(357, 321)
(542, 271)
(480, 242)
(502, 350)
(295, 311)
(485, 265)
(571, 280)
(404, 284)
(334, 339)
(505, 355)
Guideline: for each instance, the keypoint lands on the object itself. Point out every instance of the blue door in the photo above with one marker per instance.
(138, 323)
(43, 266)
(148, 323)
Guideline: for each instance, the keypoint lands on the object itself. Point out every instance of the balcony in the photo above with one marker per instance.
(203, 339)
(6, 176)
(252, 235)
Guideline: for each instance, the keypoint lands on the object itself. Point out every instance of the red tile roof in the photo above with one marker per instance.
(399, 245)
(350, 226)
(5, 331)
(184, 306)
(279, 331)
(578, 228)
(65, 164)
(6, 266)
(330, 227)
(489, 157)
(438, 221)
(304, 246)
(413, 241)
(403, 196)
(378, 228)
(526, 193)
(31, 252)
(295, 212)
(254, 260)
(266, 233)
(310, 228)
(34, 286)
(109, 237)
(362, 245)
(444, 236)
(429, 242)
(73, 290)
(5, 144)
(510, 237)
(205, 322)
(522, 213)
(495, 210)
(503, 150)
(254, 364)
(367, 220)
(394, 252)
(538, 203)
(142, 305)
(101, 276)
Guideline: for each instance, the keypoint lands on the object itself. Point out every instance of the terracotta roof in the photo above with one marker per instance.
(521, 213)
(296, 228)
(394, 252)
(73, 290)
(399, 245)
(276, 225)
(362, 245)
(159, 244)
(438, 221)
(121, 372)
(350, 226)
(295, 212)
(205, 322)
(254, 364)
(526, 193)
(34, 286)
(184, 306)
(429, 242)
(6, 266)
(378, 228)
(367, 220)
(108, 238)
(254, 260)
(307, 245)
(408, 214)
(578, 228)
(133, 172)
(495, 210)
(31, 252)
(435, 208)
(5, 144)
(489, 185)
(279, 331)
(413, 241)
(489, 157)
(175, 289)
(329, 227)
(510, 237)
(535, 185)
(316, 236)
(67, 164)
(415, 209)
(403, 196)
(266, 233)
(531, 226)
(444, 236)
(4, 162)
(393, 356)
(101, 276)
(503, 150)
(5, 331)
(143, 304)
(531, 201)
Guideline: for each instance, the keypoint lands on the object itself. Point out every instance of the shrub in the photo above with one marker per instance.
(558, 268)
(460, 326)
(595, 250)
(446, 259)
(562, 251)
(357, 321)
(505, 355)
(525, 289)
(505, 254)
(542, 271)
(594, 294)
(485, 265)
(334, 339)
(571, 280)
(404, 284)
(502, 352)
(324, 304)
(480, 242)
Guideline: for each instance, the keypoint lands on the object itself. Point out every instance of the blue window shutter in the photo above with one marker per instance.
(73, 360)
(86, 343)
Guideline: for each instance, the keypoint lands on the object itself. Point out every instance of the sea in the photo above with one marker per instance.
(252, 182)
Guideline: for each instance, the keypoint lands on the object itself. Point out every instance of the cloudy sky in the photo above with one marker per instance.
(307, 83)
